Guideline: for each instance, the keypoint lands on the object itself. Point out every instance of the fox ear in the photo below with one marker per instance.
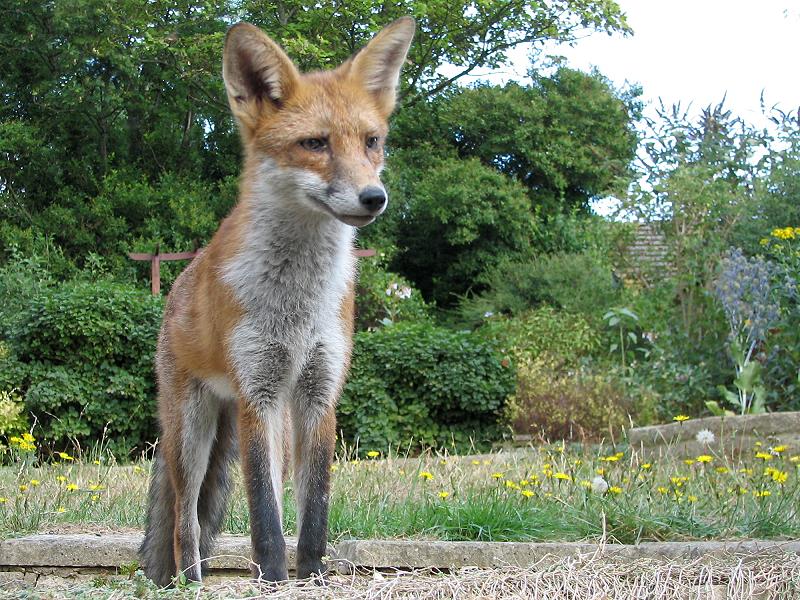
(257, 73)
(377, 66)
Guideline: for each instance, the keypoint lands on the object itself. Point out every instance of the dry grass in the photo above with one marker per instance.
(587, 578)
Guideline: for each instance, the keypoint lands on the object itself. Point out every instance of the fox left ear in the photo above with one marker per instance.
(377, 66)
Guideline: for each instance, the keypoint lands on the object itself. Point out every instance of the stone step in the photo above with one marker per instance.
(111, 551)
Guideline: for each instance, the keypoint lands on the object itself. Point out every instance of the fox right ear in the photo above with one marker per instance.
(257, 73)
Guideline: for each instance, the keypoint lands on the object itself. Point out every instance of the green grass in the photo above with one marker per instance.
(539, 494)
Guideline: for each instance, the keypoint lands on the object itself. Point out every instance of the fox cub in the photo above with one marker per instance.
(256, 337)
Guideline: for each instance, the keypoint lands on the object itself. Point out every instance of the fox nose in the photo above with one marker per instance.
(372, 198)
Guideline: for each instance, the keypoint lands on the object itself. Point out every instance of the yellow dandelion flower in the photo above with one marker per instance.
(681, 418)
(426, 475)
(14, 440)
(763, 455)
(577, 462)
(662, 490)
(72, 487)
(373, 454)
(689, 461)
(497, 475)
(780, 477)
(511, 484)
(61, 509)
(600, 471)
(757, 444)
(612, 458)
(586, 483)
(676, 481)
(27, 437)
(762, 493)
(704, 458)
(526, 493)
(779, 449)
(443, 494)
(138, 469)
(97, 462)
(524, 482)
(35, 482)
(334, 468)
(64, 456)
(691, 498)
(795, 459)
(23, 488)
(476, 462)
(614, 490)
(721, 470)
(95, 487)
(563, 476)
(646, 466)
(3, 500)
(401, 471)
(95, 497)
(746, 471)
(61, 478)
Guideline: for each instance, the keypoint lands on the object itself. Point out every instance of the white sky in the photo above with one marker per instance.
(697, 51)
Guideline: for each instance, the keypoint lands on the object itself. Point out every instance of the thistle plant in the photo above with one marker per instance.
(747, 294)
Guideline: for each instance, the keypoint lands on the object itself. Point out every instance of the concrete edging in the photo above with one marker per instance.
(112, 551)
(733, 435)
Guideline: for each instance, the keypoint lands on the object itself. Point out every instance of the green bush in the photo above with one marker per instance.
(82, 355)
(414, 384)
(578, 283)
(383, 295)
(563, 336)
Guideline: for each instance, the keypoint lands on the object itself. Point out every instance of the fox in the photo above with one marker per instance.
(256, 336)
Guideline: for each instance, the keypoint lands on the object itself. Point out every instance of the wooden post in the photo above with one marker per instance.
(156, 258)
(155, 272)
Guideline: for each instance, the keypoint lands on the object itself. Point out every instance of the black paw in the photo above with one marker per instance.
(310, 568)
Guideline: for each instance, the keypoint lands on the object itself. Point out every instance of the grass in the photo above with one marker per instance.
(535, 494)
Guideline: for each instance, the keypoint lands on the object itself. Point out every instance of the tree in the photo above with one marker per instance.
(455, 219)
(468, 34)
(568, 138)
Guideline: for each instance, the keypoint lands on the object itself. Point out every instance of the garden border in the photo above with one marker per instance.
(75, 553)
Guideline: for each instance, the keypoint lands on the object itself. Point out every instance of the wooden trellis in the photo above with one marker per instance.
(157, 257)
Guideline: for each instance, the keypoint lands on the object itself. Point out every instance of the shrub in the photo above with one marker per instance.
(578, 283)
(574, 404)
(383, 295)
(83, 356)
(12, 413)
(563, 336)
(415, 384)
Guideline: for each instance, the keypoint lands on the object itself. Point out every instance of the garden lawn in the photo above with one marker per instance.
(536, 494)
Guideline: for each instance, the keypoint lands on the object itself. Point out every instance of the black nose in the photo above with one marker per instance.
(372, 198)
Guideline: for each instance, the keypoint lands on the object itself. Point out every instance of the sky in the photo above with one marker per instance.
(698, 51)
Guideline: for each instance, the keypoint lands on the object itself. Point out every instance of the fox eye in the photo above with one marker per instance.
(314, 144)
(372, 142)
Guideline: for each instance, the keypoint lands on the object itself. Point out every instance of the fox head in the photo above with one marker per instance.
(320, 134)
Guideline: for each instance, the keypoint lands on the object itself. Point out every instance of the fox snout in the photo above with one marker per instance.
(356, 208)
(373, 199)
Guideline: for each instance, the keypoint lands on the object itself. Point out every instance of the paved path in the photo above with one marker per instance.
(110, 551)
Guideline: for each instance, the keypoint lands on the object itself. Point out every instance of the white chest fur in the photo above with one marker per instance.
(292, 273)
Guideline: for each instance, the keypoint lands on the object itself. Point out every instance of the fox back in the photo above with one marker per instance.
(256, 336)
